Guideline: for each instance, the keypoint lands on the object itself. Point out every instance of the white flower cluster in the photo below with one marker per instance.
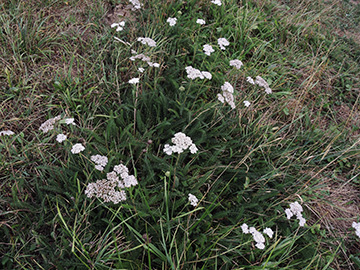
(216, 2)
(261, 82)
(136, 4)
(208, 49)
(227, 95)
(6, 132)
(49, 124)
(223, 42)
(119, 26)
(147, 41)
(77, 148)
(134, 80)
(193, 200)
(182, 142)
(236, 63)
(258, 237)
(100, 161)
(247, 103)
(106, 188)
(200, 21)
(61, 137)
(356, 226)
(144, 58)
(127, 180)
(295, 210)
(193, 73)
(171, 21)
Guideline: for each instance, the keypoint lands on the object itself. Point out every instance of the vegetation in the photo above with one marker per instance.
(299, 143)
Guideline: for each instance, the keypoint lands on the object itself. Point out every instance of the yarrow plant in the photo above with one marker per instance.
(181, 142)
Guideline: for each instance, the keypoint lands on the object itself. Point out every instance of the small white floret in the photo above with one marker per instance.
(250, 80)
(246, 103)
(200, 21)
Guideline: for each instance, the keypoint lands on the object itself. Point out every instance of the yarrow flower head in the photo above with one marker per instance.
(49, 124)
(144, 58)
(247, 103)
(236, 63)
(134, 80)
(147, 41)
(111, 188)
(261, 82)
(208, 49)
(200, 21)
(100, 161)
(295, 210)
(193, 73)
(136, 4)
(171, 21)
(223, 42)
(6, 133)
(61, 137)
(193, 200)
(227, 94)
(77, 148)
(70, 121)
(181, 142)
(119, 26)
(216, 2)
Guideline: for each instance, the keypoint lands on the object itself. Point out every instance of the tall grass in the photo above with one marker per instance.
(251, 163)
